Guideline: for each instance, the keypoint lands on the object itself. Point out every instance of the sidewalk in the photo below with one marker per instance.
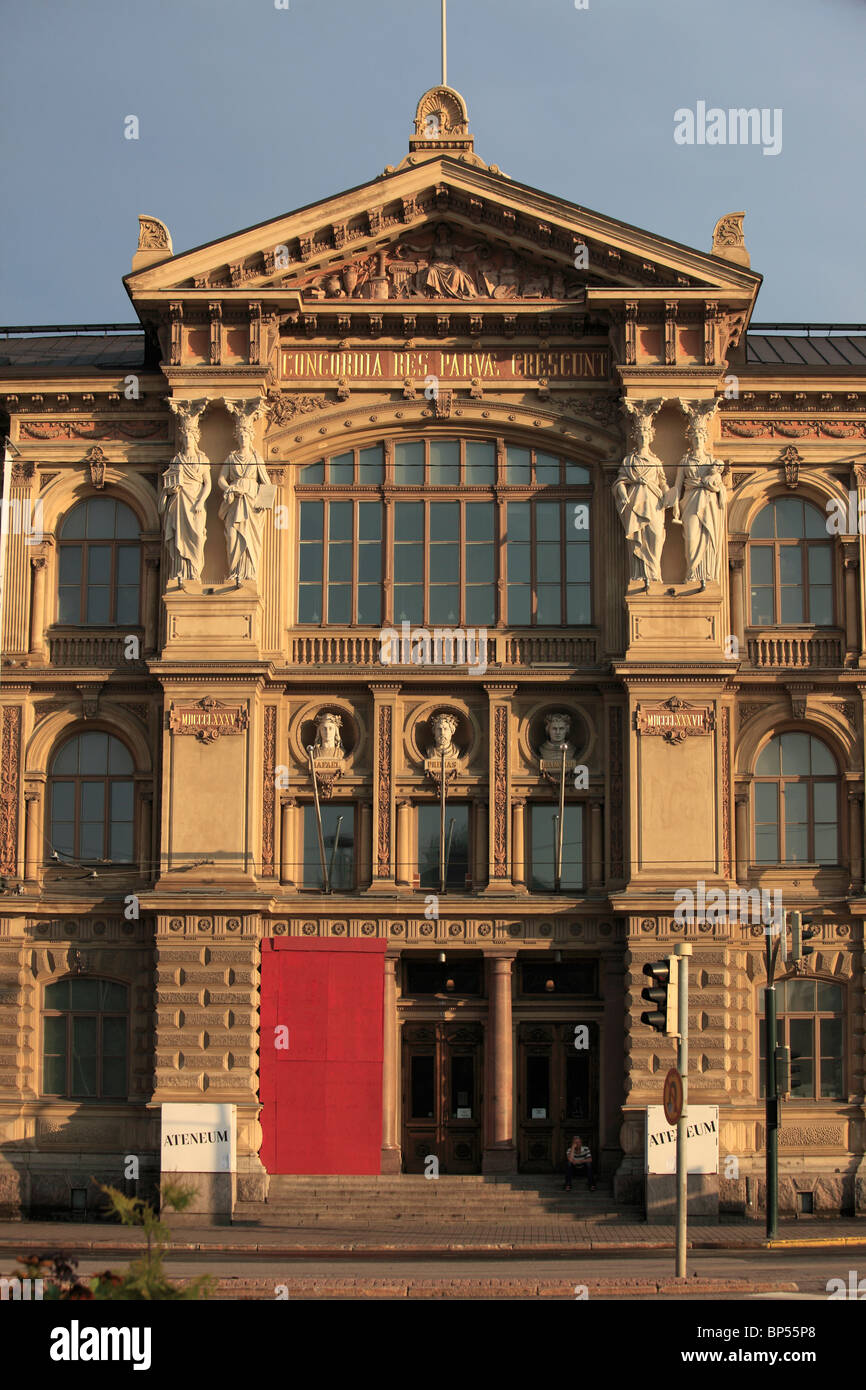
(426, 1240)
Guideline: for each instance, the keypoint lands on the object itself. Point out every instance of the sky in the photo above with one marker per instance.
(246, 111)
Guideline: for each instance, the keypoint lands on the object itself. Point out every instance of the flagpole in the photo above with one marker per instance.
(444, 43)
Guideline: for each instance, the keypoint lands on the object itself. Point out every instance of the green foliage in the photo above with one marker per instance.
(145, 1278)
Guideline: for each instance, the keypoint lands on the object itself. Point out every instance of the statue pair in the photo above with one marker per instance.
(698, 497)
(186, 483)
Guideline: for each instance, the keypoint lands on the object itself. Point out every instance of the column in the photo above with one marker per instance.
(855, 838)
(32, 833)
(501, 1155)
(518, 848)
(479, 872)
(150, 601)
(287, 866)
(851, 562)
(145, 801)
(386, 738)
(404, 844)
(391, 1153)
(499, 740)
(39, 565)
(736, 561)
(741, 828)
(596, 846)
(364, 849)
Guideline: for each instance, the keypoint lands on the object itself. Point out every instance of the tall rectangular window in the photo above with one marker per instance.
(543, 848)
(456, 845)
(340, 559)
(342, 875)
(548, 564)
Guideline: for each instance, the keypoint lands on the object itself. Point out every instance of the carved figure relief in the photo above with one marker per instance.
(444, 726)
(186, 484)
(443, 264)
(700, 498)
(557, 727)
(641, 495)
(328, 742)
(247, 494)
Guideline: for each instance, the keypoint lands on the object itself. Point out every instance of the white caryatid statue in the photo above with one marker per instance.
(641, 494)
(701, 497)
(186, 484)
(444, 726)
(557, 726)
(242, 479)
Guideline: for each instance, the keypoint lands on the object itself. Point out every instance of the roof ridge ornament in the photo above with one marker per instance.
(729, 241)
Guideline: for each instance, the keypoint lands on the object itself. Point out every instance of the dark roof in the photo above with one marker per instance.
(103, 352)
(806, 350)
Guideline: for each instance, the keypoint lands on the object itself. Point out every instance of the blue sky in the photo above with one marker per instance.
(247, 112)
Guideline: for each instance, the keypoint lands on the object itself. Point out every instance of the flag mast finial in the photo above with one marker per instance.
(444, 43)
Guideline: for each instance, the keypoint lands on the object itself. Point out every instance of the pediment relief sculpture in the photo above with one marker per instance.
(443, 263)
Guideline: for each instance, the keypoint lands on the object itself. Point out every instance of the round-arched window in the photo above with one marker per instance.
(92, 808)
(99, 564)
(790, 566)
(796, 802)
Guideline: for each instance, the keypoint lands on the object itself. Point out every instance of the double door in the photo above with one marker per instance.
(557, 1092)
(442, 1097)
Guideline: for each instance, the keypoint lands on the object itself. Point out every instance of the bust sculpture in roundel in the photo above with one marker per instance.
(557, 726)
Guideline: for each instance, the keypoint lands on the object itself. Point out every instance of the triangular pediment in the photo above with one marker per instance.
(442, 230)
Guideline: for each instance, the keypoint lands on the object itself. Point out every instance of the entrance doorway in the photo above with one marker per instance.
(557, 1094)
(442, 1096)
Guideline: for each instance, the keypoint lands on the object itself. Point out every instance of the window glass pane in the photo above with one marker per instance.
(766, 803)
(421, 1088)
(428, 846)
(795, 794)
(546, 470)
(444, 521)
(369, 603)
(519, 605)
(823, 762)
(121, 801)
(821, 606)
(57, 995)
(831, 1078)
(409, 521)
(517, 521)
(479, 521)
(444, 562)
(54, 1075)
(576, 473)
(761, 564)
(790, 564)
(340, 563)
(371, 465)
(820, 564)
(801, 1043)
(829, 998)
(762, 526)
(768, 764)
(816, 522)
(126, 610)
(796, 844)
(126, 525)
(369, 521)
(481, 607)
(577, 562)
(72, 528)
(543, 847)
(825, 801)
(408, 562)
(70, 564)
(480, 463)
(831, 1037)
(409, 464)
(112, 996)
(114, 1076)
(66, 759)
(63, 801)
(795, 754)
(312, 519)
(340, 521)
(444, 462)
(789, 517)
(84, 1044)
(93, 754)
(517, 467)
(549, 605)
(342, 468)
(547, 563)
(119, 756)
(310, 561)
(114, 1037)
(538, 1086)
(578, 606)
(339, 603)
(444, 603)
(98, 564)
(480, 564)
(791, 610)
(761, 607)
(462, 1085)
(92, 801)
(98, 606)
(100, 518)
(826, 844)
(369, 563)
(799, 996)
(54, 1032)
(310, 474)
(310, 603)
(547, 515)
(69, 606)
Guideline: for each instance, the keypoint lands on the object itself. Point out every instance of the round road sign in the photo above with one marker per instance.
(672, 1097)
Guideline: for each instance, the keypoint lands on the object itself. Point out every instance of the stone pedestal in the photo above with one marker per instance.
(224, 625)
(674, 620)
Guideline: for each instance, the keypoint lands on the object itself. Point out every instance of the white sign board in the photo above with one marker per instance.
(199, 1138)
(702, 1140)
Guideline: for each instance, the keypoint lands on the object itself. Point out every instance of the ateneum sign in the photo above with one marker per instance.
(702, 1140)
(199, 1138)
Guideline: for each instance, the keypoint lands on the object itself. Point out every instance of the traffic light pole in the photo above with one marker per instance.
(772, 1157)
(683, 950)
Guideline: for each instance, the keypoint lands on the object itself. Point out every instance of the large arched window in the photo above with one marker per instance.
(810, 1019)
(91, 801)
(423, 538)
(790, 565)
(796, 802)
(85, 1027)
(100, 564)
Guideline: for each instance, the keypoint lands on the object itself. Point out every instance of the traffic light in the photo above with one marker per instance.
(801, 931)
(797, 1079)
(783, 1070)
(663, 995)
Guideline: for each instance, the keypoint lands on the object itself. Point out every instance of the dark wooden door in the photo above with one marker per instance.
(442, 1096)
(557, 1093)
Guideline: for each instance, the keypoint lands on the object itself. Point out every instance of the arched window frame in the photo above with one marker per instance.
(78, 853)
(828, 1051)
(79, 554)
(62, 1049)
(779, 547)
(782, 779)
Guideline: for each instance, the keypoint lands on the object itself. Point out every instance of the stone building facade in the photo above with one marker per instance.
(442, 478)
